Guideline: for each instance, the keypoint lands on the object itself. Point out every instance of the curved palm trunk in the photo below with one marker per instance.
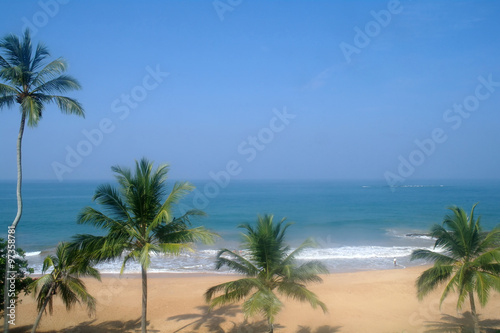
(17, 218)
(144, 298)
(19, 173)
(474, 314)
(42, 309)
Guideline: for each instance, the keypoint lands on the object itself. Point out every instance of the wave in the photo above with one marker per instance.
(409, 234)
(33, 253)
(345, 258)
(357, 252)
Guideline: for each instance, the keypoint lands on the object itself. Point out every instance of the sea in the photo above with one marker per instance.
(357, 225)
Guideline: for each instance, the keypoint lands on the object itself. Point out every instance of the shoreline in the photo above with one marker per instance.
(157, 275)
(368, 301)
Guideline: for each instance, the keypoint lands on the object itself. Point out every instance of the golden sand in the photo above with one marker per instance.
(370, 301)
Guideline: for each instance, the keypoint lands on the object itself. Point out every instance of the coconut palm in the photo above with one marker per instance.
(467, 261)
(139, 220)
(67, 266)
(31, 82)
(270, 268)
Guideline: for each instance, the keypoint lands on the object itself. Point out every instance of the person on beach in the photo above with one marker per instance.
(395, 262)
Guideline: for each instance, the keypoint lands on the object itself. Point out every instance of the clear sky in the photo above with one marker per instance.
(383, 90)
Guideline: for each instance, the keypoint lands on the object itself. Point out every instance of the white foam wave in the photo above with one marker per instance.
(203, 261)
(357, 252)
(33, 253)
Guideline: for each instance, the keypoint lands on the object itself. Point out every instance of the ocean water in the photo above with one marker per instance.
(358, 225)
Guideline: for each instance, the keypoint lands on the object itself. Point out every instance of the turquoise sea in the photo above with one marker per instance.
(359, 225)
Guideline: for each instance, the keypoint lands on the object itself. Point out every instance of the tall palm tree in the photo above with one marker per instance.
(467, 261)
(139, 220)
(270, 268)
(67, 266)
(32, 83)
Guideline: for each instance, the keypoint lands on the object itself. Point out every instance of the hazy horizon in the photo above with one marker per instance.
(391, 91)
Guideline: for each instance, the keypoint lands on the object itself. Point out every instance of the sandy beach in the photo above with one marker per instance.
(370, 301)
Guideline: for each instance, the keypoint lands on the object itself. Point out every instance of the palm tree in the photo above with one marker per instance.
(270, 267)
(31, 83)
(467, 261)
(67, 266)
(139, 220)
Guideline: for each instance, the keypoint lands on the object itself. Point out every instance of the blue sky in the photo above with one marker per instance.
(395, 91)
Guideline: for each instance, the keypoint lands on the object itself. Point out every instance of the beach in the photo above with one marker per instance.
(359, 229)
(368, 301)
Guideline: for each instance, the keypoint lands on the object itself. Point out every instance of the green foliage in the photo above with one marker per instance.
(66, 267)
(22, 281)
(138, 217)
(467, 261)
(31, 82)
(270, 269)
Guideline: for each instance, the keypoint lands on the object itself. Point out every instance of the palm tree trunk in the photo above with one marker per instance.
(144, 298)
(474, 314)
(16, 219)
(271, 326)
(42, 309)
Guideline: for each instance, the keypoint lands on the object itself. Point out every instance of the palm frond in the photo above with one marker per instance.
(32, 108)
(264, 302)
(132, 255)
(8, 91)
(67, 265)
(436, 257)
(7, 101)
(50, 71)
(49, 262)
(307, 272)
(60, 84)
(3, 64)
(270, 266)
(450, 286)
(109, 197)
(490, 241)
(37, 284)
(91, 216)
(68, 105)
(144, 256)
(238, 264)
(484, 283)
(301, 293)
(11, 44)
(307, 244)
(81, 293)
(101, 248)
(180, 233)
(180, 190)
(465, 284)
(41, 53)
(431, 278)
(174, 248)
(67, 295)
(232, 291)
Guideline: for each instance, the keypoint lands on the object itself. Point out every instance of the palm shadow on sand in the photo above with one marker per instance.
(211, 319)
(214, 319)
(114, 326)
(321, 329)
(461, 324)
